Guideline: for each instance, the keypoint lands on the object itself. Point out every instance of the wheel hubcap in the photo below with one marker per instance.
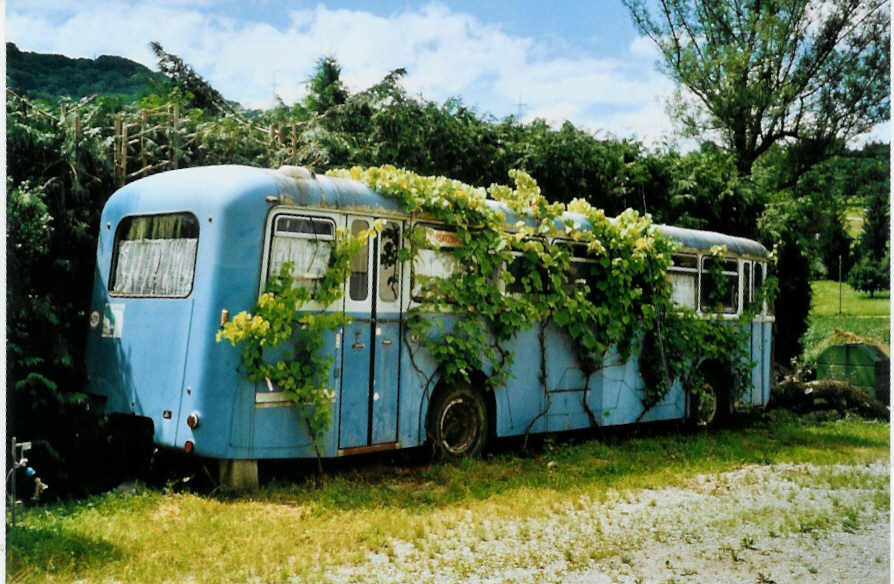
(459, 426)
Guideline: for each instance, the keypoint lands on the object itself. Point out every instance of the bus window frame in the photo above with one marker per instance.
(415, 299)
(679, 269)
(336, 219)
(738, 274)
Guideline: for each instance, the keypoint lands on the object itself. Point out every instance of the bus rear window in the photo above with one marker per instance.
(155, 256)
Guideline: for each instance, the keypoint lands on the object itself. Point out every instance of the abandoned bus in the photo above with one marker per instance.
(180, 251)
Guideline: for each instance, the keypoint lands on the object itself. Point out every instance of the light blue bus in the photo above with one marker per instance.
(181, 251)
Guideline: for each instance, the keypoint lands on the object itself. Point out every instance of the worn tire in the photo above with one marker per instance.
(715, 408)
(457, 423)
(704, 413)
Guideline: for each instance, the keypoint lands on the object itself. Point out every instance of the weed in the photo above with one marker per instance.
(851, 522)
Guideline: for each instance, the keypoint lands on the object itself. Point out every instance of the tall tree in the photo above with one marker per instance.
(326, 88)
(763, 72)
(204, 96)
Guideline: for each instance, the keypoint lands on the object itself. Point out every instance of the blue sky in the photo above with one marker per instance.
(577, 61)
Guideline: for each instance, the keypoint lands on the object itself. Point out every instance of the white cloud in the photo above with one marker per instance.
(446, 53)
(644, 47)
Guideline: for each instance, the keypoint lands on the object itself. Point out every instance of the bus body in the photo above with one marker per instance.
(180, 251)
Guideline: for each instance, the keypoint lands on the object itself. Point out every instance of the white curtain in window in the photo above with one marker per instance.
(684, 285)
(155, 267)
(310, 257)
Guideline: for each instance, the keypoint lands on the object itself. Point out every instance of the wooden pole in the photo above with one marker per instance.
(294, 137)
(117, 147)
(143, 117)
(839, 284)
(174, 162)
(124, 152)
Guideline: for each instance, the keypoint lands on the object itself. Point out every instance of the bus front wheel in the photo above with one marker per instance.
(458, 423)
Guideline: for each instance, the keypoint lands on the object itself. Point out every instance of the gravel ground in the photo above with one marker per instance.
(758, 524)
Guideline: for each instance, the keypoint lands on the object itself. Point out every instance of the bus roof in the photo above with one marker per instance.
(300, 187)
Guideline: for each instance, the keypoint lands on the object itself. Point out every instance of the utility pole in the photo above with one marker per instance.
(520, 105)
(839, 284)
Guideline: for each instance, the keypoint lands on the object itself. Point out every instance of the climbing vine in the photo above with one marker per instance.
(282, 344)
(518, 262)
(508, 278)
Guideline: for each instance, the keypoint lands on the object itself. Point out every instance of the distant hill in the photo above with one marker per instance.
(53, 76)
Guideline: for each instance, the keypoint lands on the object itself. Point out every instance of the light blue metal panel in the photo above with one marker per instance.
(756, 342)
(621, 387)
(567, 411)
(280, 427)
(385, 385)
(566, 382)
(766, 361)
(524, 393)
(354, 410)
(153, 357)
(242, 415)
(671, 407)
(418, 378)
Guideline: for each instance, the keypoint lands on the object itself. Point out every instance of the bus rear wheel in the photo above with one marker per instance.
(705, 406)
(458, 423)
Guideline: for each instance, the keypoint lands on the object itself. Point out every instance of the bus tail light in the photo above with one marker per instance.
(189, 446)
(192, 420)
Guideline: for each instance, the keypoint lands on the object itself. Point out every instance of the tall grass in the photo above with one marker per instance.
(294, 531)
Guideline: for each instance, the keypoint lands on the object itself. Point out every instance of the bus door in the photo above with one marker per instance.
(371, 354)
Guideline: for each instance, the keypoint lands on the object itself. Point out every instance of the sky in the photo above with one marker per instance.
(569, 60)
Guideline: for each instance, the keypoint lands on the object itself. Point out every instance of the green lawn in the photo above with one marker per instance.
(295, 531)
(854, 218)
(869, 318)
(853, 303)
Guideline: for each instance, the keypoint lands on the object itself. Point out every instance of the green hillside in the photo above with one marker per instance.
(53, 76)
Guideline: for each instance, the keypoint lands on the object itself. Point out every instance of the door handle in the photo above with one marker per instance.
(386, 341)
(357, 344)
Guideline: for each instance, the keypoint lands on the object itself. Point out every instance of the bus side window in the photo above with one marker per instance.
(761, 273)
(358, 283)
(580, 276)
(683, 275)
(435, 261)
(719, 291)
(389, 266)
(747, 290)
(306, 242)
(529, 275)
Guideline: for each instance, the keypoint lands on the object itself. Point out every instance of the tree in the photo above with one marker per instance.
(871, 275)
(326, 88)
(189, 82)
(876, 232)
(764, 72)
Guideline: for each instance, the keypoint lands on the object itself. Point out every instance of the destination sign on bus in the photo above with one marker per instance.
(440, 238)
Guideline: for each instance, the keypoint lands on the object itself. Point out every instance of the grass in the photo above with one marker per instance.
(854, 218)
(825, 301)
(294, 531)
(866, 317)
